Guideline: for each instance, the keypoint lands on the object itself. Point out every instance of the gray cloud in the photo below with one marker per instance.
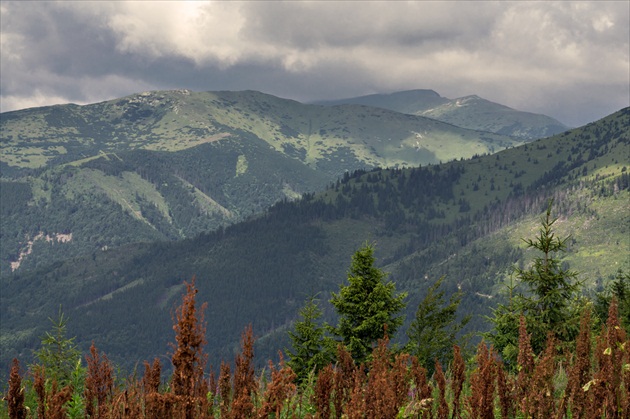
(569, 60)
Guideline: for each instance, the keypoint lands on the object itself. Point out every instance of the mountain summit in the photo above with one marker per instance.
(472, 112)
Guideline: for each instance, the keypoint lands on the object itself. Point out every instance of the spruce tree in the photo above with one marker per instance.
(618, 289)
(551, 301)
(59, 354)
(433, 332)
(367, 306)
(311, 347)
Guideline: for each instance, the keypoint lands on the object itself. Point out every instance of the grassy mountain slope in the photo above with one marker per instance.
(463, 219)
(470, 112)
(343, 138)
(142, 195)
(169, 165)
(177, 120)
(476, 113)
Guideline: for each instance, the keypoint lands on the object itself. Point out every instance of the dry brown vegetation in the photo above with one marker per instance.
(593, 381)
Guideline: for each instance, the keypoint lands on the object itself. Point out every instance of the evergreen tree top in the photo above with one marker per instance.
(367, 306)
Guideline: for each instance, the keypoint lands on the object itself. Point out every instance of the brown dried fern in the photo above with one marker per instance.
(15, 396)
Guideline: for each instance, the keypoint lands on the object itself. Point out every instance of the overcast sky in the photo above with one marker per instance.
(569, 60)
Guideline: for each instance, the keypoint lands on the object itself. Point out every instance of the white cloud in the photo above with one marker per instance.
(522, 54)
(191, 29)
(49, 90)
(34, 99)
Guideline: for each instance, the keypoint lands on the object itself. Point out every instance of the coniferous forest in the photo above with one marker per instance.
(252, 210)
(551, 353)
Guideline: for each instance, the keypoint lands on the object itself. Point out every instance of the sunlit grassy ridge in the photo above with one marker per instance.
(177, 120)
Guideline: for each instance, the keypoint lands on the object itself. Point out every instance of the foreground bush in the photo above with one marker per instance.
(591, 382)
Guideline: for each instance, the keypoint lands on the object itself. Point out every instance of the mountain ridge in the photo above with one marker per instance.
(480, 114)
(153, 120)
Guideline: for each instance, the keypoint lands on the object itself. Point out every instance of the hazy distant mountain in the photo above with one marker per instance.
(463, 219)
(409, 101)
(470, 112)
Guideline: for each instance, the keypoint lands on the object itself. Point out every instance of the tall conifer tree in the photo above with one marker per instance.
(311, 347)
(367, 306)
(432, 333)
(550, 302)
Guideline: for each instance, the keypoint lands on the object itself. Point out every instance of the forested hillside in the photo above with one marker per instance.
(141, 196)
(463, 219)
(170, 165)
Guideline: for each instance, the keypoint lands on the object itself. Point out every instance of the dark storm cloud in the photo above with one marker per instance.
(335, 24)
(565, 59)
(47, 52)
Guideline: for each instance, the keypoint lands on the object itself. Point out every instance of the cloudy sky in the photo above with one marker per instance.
(569, 60)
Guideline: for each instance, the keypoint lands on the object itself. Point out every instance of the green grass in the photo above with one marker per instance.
(205, 202)
(123, 189)
(241, 165)
(175, 120)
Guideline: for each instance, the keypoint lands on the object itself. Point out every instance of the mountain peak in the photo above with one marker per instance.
(415, 93)
(471, 112)
(407, 101)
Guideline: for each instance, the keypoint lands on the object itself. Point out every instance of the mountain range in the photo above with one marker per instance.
(170, 165)
(107, 216)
